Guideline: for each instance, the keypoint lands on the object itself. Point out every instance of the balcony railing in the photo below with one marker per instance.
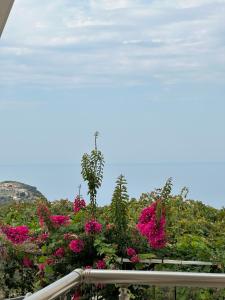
(124, 278)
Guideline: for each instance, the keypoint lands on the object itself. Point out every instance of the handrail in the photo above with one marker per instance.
(170, 262)
(58, 287)
(156, 278)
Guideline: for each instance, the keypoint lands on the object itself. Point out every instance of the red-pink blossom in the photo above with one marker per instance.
(131, 251)
(92, 227)
(152, 228)
(60, 252)
(27, 263)
(59, 220)
(41, 267)
(16, 234)
(76, 245)
(76, 296)
(134, 259)
(100, 264)
(78, 204)
(43, 213)
(41, 238)
(88, 267)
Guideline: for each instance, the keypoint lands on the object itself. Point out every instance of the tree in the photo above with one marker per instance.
(119, 211)
(92, 172)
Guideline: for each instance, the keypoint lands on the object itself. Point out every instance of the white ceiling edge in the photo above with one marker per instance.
(5, 8)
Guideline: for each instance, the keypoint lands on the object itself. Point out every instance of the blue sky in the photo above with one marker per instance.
(149, 75)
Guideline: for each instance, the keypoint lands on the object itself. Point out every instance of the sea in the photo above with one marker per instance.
(205, 181)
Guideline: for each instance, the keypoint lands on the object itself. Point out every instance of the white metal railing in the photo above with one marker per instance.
(170, 262)
(156, 278)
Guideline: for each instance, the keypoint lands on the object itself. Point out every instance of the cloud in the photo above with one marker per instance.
(104, 42)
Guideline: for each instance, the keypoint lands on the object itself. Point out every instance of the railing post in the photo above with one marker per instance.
(175, 293)
(124, 295)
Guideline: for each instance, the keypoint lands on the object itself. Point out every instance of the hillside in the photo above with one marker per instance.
(17, 191)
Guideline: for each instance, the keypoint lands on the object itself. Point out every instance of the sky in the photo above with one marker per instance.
(148, 75)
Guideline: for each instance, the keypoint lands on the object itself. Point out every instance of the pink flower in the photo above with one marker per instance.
(43, 213)
(88, 267)
(59, 220)
(76, 245)
(27, 263)
(100, 264)
(41, 267)
(131, 252)
(76, 296)
(152, 228)
(60, 252)
(134, 259)
(17, 234)
(41, 238)
(93, 227)
(78, 204)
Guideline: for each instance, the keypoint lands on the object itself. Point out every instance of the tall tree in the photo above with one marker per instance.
(92, 172)
(119, 211)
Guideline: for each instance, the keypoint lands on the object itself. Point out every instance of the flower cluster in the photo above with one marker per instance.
(76, 245)
(100, 264)
(49, 261)
(78, 204)
(59, 220)
(131, 251)
(60, 252)
(135, 259)
(92, 227)
(40, 239)
(27, 263)
(17, 234)
(76, 296)
(43, 213)
(151, 227)
(133, 255)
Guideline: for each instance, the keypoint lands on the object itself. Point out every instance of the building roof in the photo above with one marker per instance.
(5, 8)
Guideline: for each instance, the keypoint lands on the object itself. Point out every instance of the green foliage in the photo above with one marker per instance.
(92, 172)
(166, 190)
(195, 231)
(119, 211)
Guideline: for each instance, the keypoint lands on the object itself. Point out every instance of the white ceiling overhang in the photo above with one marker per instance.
(5, 8)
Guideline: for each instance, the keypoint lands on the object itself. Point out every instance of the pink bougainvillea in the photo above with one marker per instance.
(41, 267)
(134, 259)
(16, 234)
(78, 204)
(92, 227)
(43, 213)
(59, 220)
(27, 263)
(60, 252)
(76, 245)
(151, 227)
(88, 267)
(76, 296)
(100, 264)
(131, 251)
(41, 238)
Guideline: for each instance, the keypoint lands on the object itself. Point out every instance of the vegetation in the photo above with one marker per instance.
(42, 241)
(92, 172)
